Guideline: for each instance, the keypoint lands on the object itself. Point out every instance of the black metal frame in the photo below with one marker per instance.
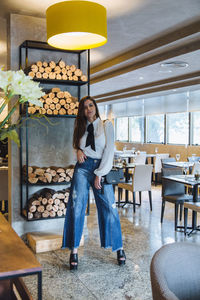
(38, 273)
(43, 46)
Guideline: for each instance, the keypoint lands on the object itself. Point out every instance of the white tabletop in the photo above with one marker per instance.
(130, 154)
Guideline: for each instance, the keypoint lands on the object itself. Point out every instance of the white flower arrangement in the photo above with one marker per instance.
(16, 83)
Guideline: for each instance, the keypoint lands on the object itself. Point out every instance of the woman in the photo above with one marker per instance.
(94, 143)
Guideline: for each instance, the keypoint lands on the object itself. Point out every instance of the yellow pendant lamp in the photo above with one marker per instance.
(76, 25)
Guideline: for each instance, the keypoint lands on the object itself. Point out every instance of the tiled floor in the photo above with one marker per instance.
(98, 276)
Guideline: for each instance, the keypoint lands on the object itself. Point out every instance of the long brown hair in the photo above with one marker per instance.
(81, 121)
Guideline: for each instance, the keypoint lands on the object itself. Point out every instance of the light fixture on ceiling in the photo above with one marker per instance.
(174, 64)
(76, 25)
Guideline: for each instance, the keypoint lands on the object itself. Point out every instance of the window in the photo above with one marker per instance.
(177, 128)
(136, 129)
(195, 127)
(155, 129)
(122, 129)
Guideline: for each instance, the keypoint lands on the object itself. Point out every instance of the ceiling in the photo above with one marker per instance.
(142, 34)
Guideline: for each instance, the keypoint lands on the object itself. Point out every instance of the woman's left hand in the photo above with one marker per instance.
(97, 182)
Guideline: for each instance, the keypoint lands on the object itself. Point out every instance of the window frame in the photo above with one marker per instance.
(166, 142)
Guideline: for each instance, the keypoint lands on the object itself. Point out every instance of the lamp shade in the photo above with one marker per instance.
(76, 25)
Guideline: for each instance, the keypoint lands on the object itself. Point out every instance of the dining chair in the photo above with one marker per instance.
(157, 166)
(173, 192)
(166, 160)
(174, 272)
(141, 181)
(4, 191)
(140, 158)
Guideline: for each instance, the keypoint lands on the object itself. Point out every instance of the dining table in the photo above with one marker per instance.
(188, 180)
(180, 164)
(129, 155)
(186, 166)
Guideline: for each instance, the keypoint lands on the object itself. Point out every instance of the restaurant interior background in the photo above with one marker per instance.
(146, 78)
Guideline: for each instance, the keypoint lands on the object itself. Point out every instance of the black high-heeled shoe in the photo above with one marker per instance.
(121, 254)
(73, 261)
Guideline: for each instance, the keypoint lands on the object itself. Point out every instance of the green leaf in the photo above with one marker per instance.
(13, 135)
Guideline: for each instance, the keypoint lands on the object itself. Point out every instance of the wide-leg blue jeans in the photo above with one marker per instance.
(108, 218)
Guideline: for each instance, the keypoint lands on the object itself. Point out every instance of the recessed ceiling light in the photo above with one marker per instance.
(141, 77)
(174, 90)
(174, 64)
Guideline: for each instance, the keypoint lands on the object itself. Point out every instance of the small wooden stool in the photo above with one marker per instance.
(43, 241)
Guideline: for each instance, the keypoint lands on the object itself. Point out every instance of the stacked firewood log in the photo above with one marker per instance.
(47, 203)
(58, 71)
(48, 175)
(56, 102)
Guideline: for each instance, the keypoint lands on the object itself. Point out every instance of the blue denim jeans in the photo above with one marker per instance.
(108, 218)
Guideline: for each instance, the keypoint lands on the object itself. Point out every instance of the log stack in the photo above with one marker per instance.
(48, 175)
(59, 71)
(47, 204)
(56, 102)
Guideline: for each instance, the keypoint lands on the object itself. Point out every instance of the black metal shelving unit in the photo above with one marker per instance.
(56, 81)
(24, 51)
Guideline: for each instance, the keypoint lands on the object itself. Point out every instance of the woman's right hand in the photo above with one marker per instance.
(81, 156)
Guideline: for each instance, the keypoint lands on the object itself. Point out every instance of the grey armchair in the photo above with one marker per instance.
(175, 272)
(167, 160)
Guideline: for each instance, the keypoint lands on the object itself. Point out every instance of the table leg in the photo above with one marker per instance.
(194, 213)
(185, 220)
(39, 285)
(126, 175)
(194, 220)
